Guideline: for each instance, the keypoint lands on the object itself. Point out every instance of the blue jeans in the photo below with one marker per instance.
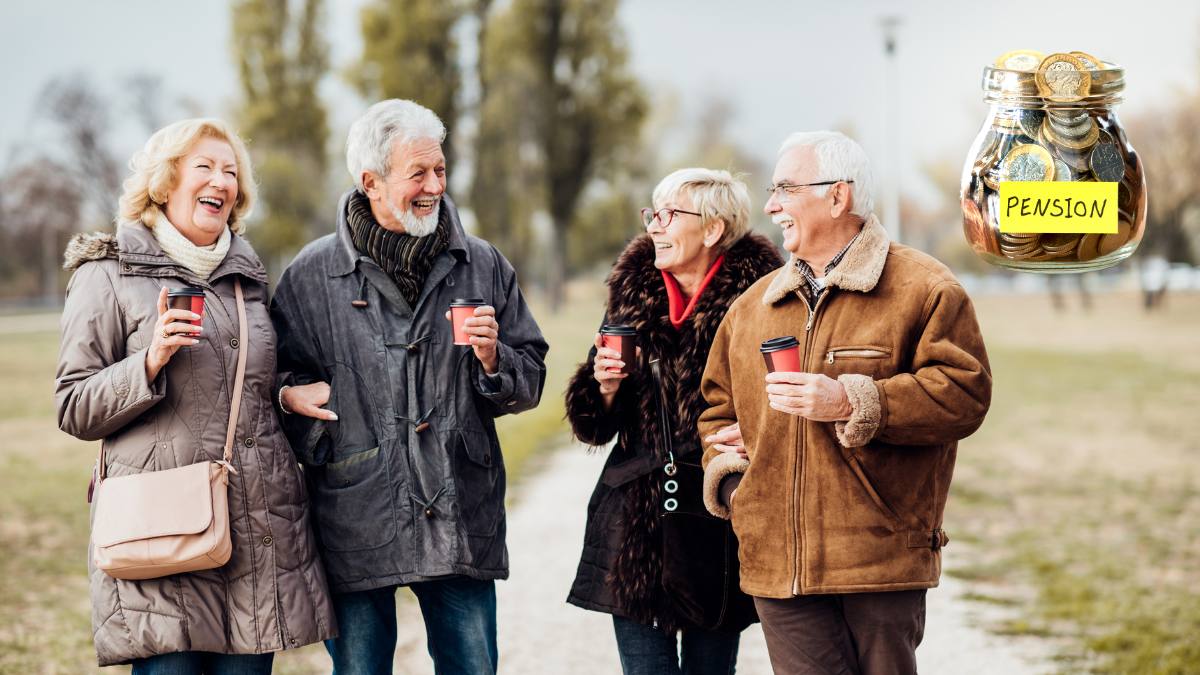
(646, 650)
(460, 628)
(204, 663)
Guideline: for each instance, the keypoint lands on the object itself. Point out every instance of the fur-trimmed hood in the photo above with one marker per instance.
(89, 246)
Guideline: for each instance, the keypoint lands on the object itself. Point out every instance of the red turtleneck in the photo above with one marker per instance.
(679, 313)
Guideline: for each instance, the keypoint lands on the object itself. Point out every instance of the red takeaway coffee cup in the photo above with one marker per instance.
(781, 354)
(190, 298)
(622, 339)
(460, 310)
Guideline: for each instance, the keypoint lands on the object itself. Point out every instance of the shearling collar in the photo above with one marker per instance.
(859, 270)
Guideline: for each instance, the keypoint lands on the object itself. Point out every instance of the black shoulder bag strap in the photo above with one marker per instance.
(664, 419)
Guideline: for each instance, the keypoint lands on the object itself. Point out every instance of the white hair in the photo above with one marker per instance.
(838, 158)
(372, 136)
(715, 194)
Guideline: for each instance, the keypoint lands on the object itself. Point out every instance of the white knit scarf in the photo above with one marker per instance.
(201, 260)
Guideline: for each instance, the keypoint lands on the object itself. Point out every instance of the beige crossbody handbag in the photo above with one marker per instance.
(157, 523)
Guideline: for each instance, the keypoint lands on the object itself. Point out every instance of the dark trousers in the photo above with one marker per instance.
(204, 663)
(845, 634)
(646, 650)
(460, 628)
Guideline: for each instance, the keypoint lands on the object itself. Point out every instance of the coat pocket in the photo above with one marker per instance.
(352, 498)
(868, 486)
(857, 359)
(479, 482)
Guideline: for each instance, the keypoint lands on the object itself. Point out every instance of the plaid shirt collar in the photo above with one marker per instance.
(814, 285)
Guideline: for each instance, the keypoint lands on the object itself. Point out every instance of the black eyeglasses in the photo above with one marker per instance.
(664, 216)
(781, 189)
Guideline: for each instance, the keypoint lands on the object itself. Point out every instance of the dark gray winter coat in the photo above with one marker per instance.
(271, 595)
(408, 484)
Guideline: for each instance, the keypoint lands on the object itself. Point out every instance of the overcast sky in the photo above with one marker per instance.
(786, 65)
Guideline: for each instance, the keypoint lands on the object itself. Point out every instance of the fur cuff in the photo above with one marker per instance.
(864, 421)
(718, 468)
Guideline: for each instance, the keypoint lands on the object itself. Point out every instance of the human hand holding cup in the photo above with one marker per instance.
(176, 327)
(474, 324)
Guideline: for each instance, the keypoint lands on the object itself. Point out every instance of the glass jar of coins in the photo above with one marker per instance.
(1051, 183)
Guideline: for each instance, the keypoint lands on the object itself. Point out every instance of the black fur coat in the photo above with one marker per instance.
(620, 570)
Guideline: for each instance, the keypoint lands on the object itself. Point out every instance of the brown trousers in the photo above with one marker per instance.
(846, 634)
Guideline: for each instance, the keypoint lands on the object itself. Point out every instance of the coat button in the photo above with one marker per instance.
(267, 540)
(421, 427)
(234, 342)
(413, 348)
(428, 512)
(126, 267)
(249, 442)
(487, 458)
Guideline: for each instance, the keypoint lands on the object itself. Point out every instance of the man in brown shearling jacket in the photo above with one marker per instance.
(836, 477)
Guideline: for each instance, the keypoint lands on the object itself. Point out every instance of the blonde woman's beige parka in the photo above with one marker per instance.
(272, 593)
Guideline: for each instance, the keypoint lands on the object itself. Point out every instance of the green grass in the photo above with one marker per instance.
(1082, 490)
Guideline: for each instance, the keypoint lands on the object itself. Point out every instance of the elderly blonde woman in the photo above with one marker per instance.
(155, 390)
(651, 557)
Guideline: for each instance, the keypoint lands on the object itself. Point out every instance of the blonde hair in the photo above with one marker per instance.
(717, 195)
(155, 171)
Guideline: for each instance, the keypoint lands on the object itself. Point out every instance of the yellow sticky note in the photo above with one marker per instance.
(1058, 207)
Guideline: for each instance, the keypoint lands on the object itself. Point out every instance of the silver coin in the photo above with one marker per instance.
(1068, 118)
(1030, 121)
(1062, 172)
(1106, 162)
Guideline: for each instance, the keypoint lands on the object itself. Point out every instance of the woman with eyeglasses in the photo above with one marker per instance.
(652, 556)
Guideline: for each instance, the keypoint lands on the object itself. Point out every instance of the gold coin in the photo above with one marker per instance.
(1029, 162)
(1111, 242)
(1089, 61)
(1060, 244)
(978, 235)
(1020, 59)
(1088, 247)
(1063, 78)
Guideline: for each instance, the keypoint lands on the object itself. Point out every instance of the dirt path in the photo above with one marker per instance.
(540, 633)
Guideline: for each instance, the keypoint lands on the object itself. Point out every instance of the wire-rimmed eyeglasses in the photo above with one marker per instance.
(779, 190)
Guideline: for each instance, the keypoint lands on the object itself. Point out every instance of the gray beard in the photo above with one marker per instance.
(417, 226)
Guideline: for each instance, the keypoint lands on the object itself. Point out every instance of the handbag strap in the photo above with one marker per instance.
(235, 400)
(664, 419)
(240, 378)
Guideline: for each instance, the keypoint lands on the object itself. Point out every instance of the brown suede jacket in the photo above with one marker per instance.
(852, 506)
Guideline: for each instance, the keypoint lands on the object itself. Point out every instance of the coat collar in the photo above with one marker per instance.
(637, 292)
(348, 256)
(859, 270)
(138, 252)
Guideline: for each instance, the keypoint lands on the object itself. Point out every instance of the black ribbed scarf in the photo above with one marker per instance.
(405, 258)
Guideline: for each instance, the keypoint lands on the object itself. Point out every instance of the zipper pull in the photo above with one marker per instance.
(829, 358)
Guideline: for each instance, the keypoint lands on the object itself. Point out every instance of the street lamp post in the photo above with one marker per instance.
(891, 110)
